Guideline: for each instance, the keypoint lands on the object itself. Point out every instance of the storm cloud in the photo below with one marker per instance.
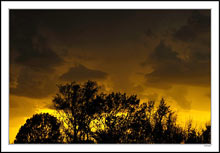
(169, 69)
(82, 73)
(32, 60)
(197, 24)
(28, 47)
(34, 84)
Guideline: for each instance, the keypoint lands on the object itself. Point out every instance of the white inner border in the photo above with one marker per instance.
(110, 5)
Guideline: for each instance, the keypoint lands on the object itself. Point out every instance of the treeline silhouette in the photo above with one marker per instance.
(89, 116)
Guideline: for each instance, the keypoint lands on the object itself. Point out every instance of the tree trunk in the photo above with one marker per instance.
(75, 131)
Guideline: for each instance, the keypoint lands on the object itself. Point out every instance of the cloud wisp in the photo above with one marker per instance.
(82, 73)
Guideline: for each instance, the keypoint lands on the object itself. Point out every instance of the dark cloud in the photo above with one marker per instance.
(82, 73)
(31, 49)
(38, 55)
(32, 60)
(44, 43)
(87, 28)
(103, 28)
(149, 33)
(164, 54)
(197, 24)
(34, 84)
(169, 69)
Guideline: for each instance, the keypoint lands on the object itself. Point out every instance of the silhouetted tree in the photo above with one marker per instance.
(206, 134)
(161, 113)
(192, 134)
(41, 128)
(78, 104)
(116, 118)
(139, 126)
(117, 109)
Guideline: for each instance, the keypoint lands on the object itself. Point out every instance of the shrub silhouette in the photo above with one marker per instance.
(41, 128)
(117, 118)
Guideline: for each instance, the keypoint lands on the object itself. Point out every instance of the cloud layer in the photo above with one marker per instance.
(82, 73)
(172, 45)
(169, 69)
(34, 84)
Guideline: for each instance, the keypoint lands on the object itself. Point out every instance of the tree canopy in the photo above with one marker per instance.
(114, 118)
(41, 128)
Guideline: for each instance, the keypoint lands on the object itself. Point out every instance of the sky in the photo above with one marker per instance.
(151, 53)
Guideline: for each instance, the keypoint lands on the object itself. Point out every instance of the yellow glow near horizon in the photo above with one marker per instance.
(148, 53)
(199, 119)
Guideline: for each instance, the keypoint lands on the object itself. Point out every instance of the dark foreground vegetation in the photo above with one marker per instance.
(88, 116)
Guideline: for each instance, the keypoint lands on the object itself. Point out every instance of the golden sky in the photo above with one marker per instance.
(151, 53)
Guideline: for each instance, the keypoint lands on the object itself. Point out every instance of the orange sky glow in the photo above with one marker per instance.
(152, 53)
